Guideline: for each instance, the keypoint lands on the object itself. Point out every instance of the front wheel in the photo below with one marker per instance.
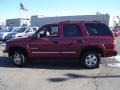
(19, 58)
(91, 60)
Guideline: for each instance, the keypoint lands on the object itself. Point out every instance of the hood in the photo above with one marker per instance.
(20, 35)
(12, 33)
(19, 40)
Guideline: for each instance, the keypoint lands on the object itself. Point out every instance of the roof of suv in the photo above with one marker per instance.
(71, 22)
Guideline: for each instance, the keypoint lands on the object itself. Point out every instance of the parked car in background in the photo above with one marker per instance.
(0, 27)
(21, 32)
(116, 32)
(4, 32)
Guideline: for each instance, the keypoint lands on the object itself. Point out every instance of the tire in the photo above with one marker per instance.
(19, 58)
(90, 60)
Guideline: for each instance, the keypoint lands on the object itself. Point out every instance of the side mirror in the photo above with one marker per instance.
(42, 34)
(34, 36)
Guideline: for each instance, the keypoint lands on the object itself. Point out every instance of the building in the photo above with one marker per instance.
(17, 22)
(39, 21)
(2, 24)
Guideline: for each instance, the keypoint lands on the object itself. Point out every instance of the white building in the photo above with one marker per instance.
(2, 24)
(39, 21)
(17, 22)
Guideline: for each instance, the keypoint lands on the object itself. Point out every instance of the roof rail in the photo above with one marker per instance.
(65, 21)
(79, 21)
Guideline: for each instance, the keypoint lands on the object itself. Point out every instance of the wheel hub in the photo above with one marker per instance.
(91, 60)
(17, 59)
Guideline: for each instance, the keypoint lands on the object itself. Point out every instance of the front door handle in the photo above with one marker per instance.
(55, 42)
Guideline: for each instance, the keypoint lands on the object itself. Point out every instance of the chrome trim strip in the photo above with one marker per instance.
(34, 48)
(69, 52)
(45, 52)
(55, 52)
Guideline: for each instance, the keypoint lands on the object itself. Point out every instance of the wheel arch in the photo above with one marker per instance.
(12, 50)
(92, 49)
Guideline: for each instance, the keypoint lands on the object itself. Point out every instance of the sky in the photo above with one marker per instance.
(44, 8)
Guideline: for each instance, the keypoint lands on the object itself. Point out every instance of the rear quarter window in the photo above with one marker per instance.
(98, 29)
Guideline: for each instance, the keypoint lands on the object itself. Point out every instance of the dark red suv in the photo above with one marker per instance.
(87, 41)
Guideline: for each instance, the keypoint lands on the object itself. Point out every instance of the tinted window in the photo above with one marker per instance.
(49, 31)
(97, 29)
(71, 30)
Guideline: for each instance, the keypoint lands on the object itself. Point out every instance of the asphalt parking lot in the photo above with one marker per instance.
(60, 76)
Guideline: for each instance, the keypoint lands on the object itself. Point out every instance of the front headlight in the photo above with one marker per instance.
(4, 35)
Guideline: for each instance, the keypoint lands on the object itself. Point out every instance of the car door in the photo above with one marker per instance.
(72, 40)
(46, 42)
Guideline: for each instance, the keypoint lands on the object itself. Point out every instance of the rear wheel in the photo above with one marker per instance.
(90, 60)
(19, 58)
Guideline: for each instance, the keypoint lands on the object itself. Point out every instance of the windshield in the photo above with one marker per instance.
(19, 30)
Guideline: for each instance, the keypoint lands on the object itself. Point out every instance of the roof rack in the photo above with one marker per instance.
(65, 21)
(79, 21)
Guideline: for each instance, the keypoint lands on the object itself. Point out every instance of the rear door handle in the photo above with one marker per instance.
(80, 41)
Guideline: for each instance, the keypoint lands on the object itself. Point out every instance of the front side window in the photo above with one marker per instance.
(48, 31)
(71, 30)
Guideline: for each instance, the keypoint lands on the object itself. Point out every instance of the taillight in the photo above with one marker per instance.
(114, 43)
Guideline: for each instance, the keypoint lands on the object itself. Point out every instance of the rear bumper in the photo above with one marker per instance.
(110, 53)
(115, 53)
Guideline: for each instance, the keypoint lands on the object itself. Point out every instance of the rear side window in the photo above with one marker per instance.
(98, 29)
(71, 30)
